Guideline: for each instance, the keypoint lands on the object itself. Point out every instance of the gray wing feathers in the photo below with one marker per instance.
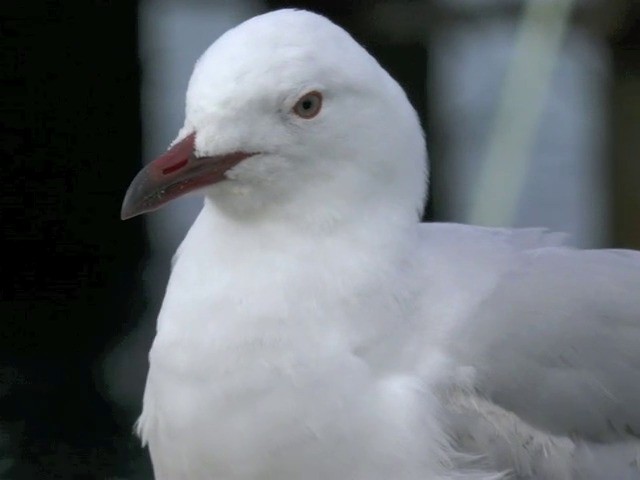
(558, 341)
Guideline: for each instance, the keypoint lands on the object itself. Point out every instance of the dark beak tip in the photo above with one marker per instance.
(126, 210)
(129, 208)
(125, 215)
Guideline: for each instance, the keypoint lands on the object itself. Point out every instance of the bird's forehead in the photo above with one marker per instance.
(282, 31)
(276, 53)
(274, 67)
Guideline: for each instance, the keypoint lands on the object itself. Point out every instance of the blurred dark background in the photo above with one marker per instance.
(91, 90)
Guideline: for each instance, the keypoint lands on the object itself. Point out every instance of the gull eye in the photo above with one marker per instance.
(309, 105)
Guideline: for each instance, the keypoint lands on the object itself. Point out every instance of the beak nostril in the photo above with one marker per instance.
(175, 167)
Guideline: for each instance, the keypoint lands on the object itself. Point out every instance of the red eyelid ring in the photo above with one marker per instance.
(313, 95)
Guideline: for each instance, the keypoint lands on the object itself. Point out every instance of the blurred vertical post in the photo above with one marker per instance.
(538, 38)
(518, 93)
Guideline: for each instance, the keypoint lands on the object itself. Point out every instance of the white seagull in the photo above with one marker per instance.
(312, 328)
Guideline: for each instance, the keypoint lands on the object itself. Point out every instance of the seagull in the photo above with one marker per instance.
(313, 328)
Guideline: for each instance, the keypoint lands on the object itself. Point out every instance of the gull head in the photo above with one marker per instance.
(287, 115)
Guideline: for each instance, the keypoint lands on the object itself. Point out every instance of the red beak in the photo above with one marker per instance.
(174, 174)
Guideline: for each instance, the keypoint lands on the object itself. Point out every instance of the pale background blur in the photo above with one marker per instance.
(532, 115)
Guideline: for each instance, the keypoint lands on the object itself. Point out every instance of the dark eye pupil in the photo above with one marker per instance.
(307, 104)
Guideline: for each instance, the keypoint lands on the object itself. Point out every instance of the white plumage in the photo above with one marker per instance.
(313, 329)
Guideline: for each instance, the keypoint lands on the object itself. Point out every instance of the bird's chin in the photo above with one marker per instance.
(229, 190)
(238, 199)
(247, 197)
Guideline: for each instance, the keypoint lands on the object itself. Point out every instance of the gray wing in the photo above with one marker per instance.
(557, 341)
(545, 349)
